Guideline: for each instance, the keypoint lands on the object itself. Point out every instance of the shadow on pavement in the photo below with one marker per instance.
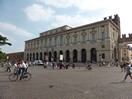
(119, 82)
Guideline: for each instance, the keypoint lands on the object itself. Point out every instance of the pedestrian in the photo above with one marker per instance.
(26, 67)
(67, 65)
(8, 66)
(53, 65)
(16, 67)
(89, 66)
(45, 64)
(123, 66)
(128, 72)
(73, 65)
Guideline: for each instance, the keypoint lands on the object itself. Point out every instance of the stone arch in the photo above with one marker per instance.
(27, 57)
(67, 55)
(60, 53)
(37, 56)
(30, 56)
(55, 56)
(50, 56)
(40, 55)
(83, 56)
(33, 56)
(75, 55)
(93, 53)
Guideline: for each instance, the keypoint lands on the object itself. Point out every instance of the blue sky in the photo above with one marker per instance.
(21, 20)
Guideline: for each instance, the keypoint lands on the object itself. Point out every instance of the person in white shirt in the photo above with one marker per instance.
(23, 68)
(26, 66)
(8, 66)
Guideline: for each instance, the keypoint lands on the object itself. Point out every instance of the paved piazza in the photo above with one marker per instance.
(78, 83)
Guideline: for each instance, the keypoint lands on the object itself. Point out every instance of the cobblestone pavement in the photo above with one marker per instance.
(78, 83)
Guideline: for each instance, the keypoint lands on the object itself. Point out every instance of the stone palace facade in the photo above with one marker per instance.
(90, 42)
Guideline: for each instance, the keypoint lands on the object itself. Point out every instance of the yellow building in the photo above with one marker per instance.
(90, 42)
(126, 52)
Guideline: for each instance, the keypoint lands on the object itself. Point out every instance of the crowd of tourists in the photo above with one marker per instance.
(21, 67)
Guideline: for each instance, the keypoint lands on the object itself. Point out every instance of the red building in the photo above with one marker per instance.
(15, 56)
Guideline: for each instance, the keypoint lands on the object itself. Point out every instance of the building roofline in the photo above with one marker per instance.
(78, 27)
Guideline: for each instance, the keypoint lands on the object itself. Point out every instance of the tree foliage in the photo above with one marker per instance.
(2, 55)
(3, 41)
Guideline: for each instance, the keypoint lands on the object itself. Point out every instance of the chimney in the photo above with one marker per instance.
(110, 17)
(105, 18)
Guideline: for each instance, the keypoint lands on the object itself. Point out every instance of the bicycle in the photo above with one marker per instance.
(14, 76)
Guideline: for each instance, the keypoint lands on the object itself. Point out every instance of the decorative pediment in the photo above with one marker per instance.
(75, 35)
(83, 33)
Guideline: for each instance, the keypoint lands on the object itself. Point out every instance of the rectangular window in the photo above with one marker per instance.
(61, 40)
(68, 40)
(55, 41)
(75, 40)
(45, 42)
(93, 37)
(103, 46)
(83, 38)
(103, 55)
(102, 36)
(50, 42)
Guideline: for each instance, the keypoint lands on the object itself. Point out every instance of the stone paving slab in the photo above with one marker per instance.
(78, 83)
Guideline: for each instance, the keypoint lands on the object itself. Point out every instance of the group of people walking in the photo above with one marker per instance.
(54, 65)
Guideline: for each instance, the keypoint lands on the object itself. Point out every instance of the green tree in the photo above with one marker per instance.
(3, 41)
(2, 55)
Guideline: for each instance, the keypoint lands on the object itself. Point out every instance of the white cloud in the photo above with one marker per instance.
(59, 3)
(80, 4)
(37, 12)
(14, 29)
(72, 20)
(111, 7)
(100, 8)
